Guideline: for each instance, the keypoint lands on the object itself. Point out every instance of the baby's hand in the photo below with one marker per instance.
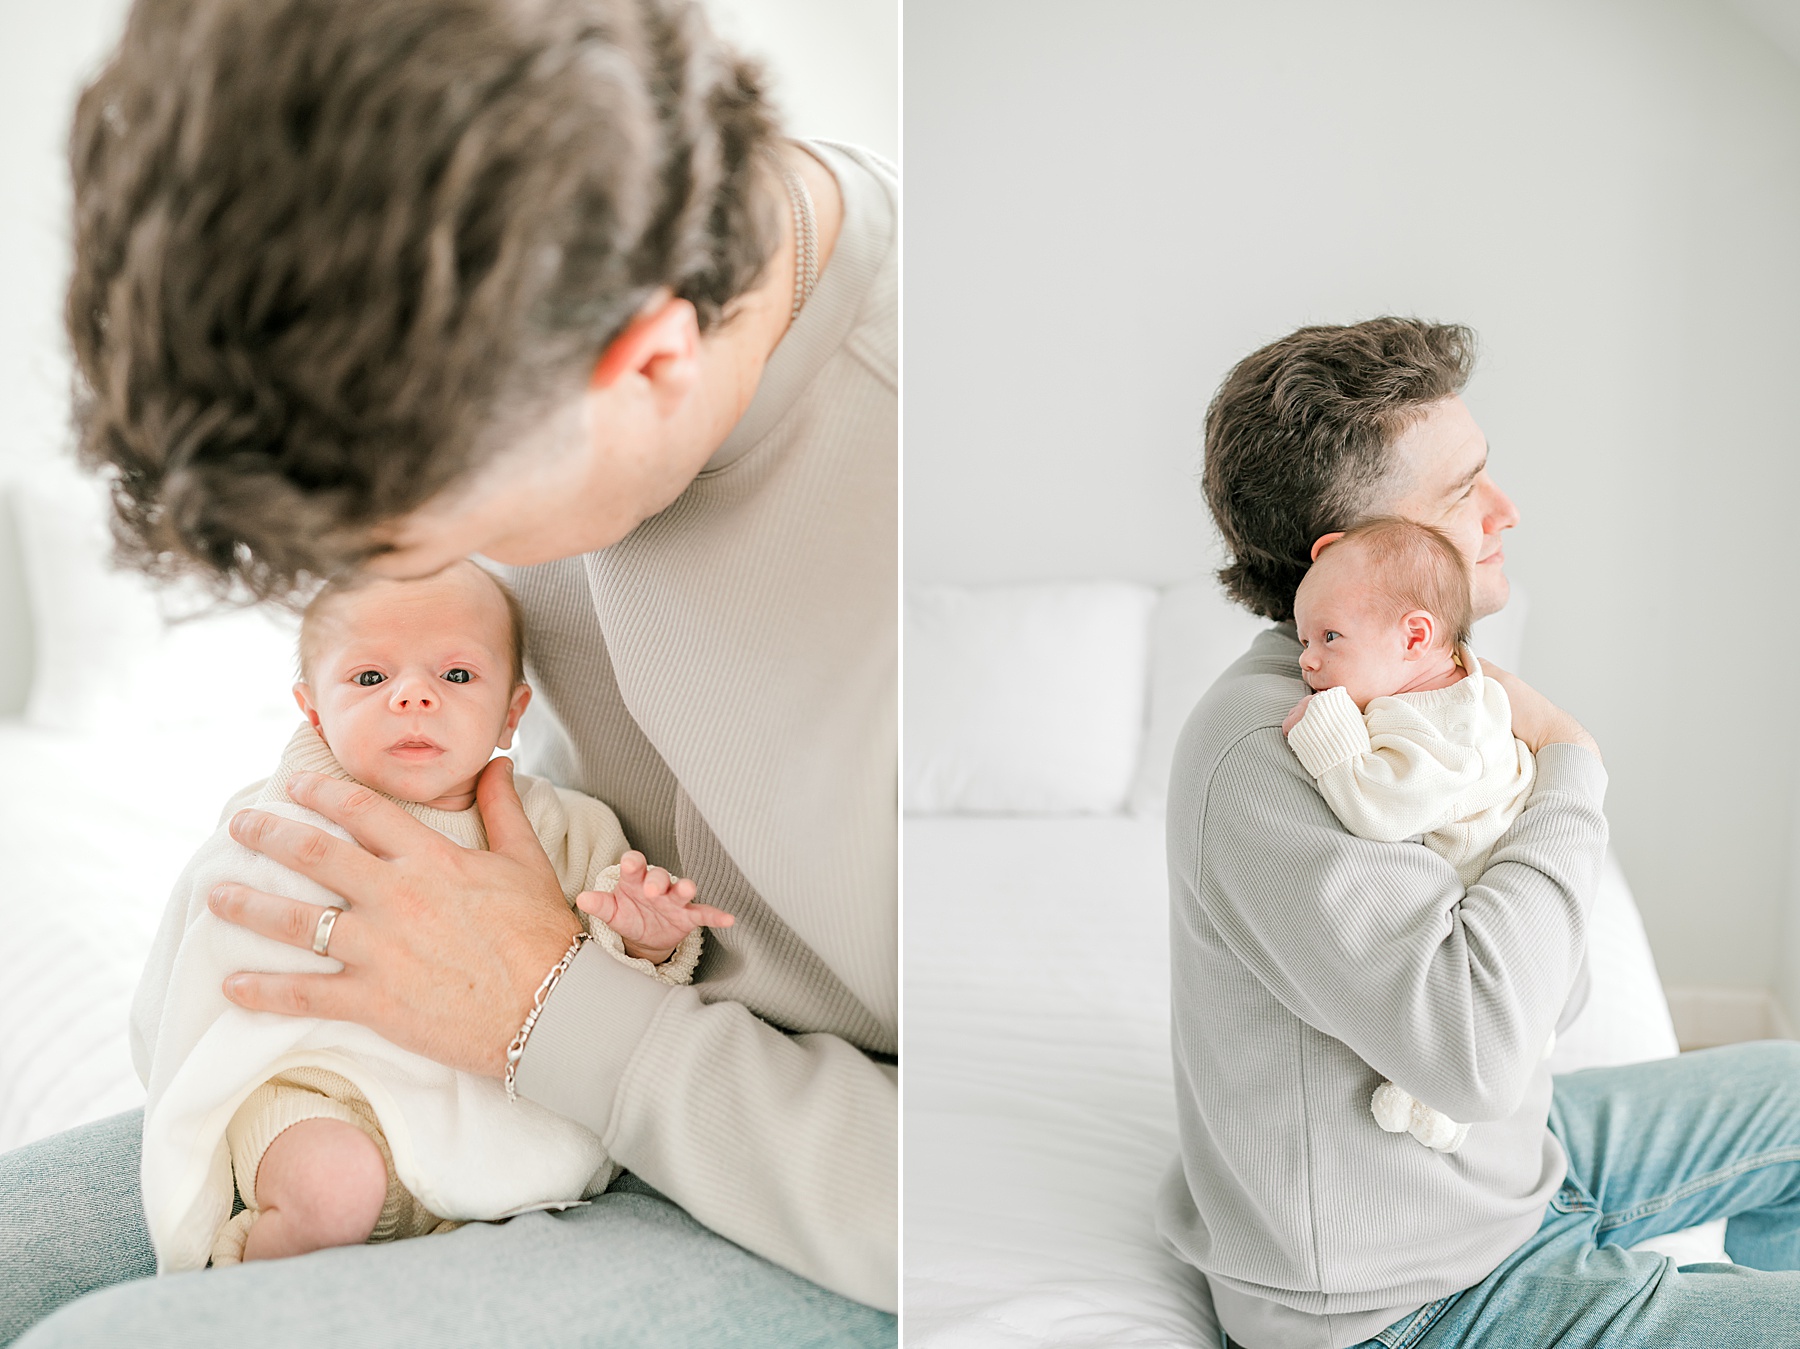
(650, 909)
(1293, 718)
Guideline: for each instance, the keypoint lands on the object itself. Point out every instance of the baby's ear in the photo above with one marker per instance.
(521, 698)
(303, 696)
(1420, 629)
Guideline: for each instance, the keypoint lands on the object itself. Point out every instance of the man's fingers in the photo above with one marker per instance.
(329, 996)
(367, 816)
(343, 868)
(509, 832)
(288, 921)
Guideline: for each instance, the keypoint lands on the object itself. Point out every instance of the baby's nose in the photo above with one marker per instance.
(409, 696)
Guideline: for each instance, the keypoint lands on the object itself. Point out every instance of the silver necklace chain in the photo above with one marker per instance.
(806, 239)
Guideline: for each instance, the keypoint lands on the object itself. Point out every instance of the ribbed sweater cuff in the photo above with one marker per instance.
(589, 1029)
(1331, 732)
(1570, 768)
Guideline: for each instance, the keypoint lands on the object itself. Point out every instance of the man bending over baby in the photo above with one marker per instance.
(333, 1135)
(1403, 733)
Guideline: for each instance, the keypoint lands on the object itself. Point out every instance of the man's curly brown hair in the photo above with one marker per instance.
(1297, 441)
(326, 251)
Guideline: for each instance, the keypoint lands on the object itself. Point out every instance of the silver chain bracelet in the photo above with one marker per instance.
(516, 1050)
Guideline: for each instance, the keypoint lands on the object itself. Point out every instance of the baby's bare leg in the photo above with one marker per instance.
(321, 1183)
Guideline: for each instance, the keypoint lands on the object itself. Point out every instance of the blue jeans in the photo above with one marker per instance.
(630, 1268)
(1653, 1148)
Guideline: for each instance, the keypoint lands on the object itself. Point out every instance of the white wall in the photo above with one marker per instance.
(834, 64)
(46, 52)
(1109, 205)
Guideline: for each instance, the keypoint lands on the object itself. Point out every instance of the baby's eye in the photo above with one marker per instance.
(367, 678)
(1329, 635)
(458, 676)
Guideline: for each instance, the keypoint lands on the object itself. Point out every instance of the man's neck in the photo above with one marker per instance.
(734, 354)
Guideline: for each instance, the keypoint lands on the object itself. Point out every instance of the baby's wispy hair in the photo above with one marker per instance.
(1417, 567)
(316, 606)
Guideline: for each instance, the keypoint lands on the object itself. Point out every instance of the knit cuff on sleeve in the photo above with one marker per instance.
(677, 969)
(585, 1037)
(1331, 732)
(1565, 767)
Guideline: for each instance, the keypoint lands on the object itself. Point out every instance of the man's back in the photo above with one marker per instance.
(1308, 965)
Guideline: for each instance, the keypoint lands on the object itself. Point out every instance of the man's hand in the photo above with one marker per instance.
(442, 946)
(649, 909)
(1293, 718)
(1535, 719)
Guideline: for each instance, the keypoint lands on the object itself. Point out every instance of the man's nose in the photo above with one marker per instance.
(1501, 513)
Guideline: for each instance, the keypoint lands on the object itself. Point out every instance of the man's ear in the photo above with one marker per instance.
(1421, 630)
(661, 346)
(520, 700)
(303, 696)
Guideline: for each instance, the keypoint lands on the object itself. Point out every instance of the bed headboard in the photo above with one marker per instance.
(15, 616)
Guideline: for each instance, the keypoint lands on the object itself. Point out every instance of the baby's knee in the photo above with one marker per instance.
(327, 1178)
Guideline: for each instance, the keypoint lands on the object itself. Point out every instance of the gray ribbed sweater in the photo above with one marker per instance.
(724, 678)
(1309, 964)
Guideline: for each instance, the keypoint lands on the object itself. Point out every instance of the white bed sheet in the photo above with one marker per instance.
(1039, 1105)
(94, 828)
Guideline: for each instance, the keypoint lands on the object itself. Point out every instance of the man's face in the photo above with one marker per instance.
(1440, 476)
(573, 485)
(593, 466)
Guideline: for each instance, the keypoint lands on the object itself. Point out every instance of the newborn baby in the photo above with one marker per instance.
(1402, 732)
(335, 1136)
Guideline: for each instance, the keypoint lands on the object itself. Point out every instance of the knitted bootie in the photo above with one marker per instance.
(1399, 1111)
(228, 1246)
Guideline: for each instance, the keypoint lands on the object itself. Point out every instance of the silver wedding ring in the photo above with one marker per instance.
(322, 933)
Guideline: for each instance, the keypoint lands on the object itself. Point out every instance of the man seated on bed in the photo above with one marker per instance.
(1308, 964)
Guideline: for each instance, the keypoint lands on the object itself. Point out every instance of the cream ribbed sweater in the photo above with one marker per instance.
(1307, 964)
(725, 679)
(1442, 764)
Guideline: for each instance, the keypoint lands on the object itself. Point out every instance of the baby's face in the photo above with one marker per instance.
(410, 682)
(1348, 635)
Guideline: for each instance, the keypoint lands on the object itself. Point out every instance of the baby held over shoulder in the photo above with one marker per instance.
(333, 1135)
(1406, 734)
(1402, 732)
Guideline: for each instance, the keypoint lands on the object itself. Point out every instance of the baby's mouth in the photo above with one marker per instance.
(415, 747)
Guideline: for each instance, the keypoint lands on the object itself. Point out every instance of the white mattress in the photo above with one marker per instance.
(1039, 1106)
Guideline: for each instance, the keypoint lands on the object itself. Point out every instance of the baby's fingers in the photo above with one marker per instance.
(707, 916)
(603, 904)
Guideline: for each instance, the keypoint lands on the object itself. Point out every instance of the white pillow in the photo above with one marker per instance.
(106, 653)
(1196, 633)
(1024, 699)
